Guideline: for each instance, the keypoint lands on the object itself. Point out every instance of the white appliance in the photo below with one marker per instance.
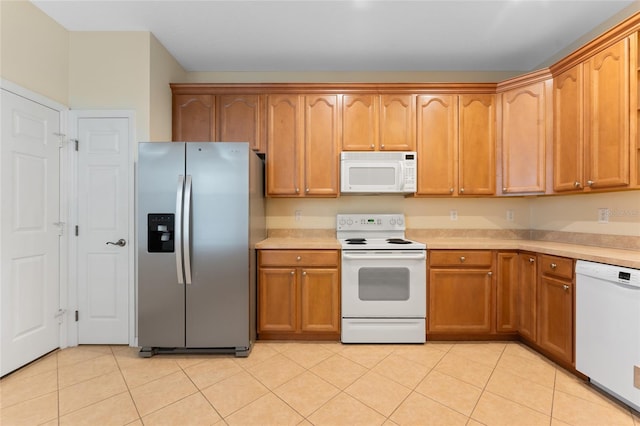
(608, 328)
(378, 172)
(383, 280)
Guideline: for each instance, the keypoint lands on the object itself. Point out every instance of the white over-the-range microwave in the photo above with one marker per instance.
(376, 172)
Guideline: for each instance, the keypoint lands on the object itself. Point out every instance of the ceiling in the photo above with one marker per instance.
(347, 35)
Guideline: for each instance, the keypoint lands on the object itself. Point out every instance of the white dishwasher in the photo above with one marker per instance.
(608, 328)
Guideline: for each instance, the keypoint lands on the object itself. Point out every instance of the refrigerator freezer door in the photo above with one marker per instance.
(217, 300)
(161, 306)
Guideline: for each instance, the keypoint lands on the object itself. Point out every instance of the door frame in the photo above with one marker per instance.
(64, 246)
(74, 116)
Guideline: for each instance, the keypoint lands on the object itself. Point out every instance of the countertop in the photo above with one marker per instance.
(628, 258)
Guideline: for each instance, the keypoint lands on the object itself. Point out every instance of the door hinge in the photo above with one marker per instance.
(77, 230)
(60, 315)
(75, 142)
(77, 316)
(60, 139)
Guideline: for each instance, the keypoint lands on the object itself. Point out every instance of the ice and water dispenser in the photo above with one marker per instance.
(160, 229)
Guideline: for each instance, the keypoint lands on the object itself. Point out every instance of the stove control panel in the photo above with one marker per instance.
(370, 222)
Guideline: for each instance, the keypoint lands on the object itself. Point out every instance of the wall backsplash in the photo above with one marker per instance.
(564, 218)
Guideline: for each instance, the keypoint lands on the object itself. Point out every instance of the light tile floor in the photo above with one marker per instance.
(306, 383)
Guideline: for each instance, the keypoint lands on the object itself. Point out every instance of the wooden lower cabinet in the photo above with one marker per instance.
(527, 291)
(555, 310)
(507, 292)
(299, 294)
(471, 294)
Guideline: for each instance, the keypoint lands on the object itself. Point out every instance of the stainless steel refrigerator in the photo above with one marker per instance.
(200, 213)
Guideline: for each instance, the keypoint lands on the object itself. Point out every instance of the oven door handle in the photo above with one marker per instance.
(382, 256)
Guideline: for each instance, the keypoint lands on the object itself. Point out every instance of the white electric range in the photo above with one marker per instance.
(383, 280)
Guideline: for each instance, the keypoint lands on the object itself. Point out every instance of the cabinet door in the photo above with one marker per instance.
(555, 317)
(397, 123)
(568, 130)
(321, 145)
(240, 119)
(507, 292)
(460, 301)
(524, 139)
(527, 295)
(284, 145)
(277, 300)
(194, 118)
(437, 144)
(359, 122)
(320, 300)
(607, 117)
(477, 123)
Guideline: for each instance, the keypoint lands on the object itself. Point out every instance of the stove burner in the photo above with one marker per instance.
(397, 241)
(356, 241)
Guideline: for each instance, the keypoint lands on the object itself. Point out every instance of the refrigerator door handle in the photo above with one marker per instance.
(187, 230)
(178, 229)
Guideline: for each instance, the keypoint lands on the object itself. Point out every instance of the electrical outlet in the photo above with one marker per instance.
(510, 215)
(298, 215)
(453, 214)
(603, 215)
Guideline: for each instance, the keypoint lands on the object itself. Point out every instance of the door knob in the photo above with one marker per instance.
(121, 242)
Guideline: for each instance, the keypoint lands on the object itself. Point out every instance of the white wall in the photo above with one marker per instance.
(164, 70)
(110, 70)
(34, 50)
(421, 213)
(579, 213)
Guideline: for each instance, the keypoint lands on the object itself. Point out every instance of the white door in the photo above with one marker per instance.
(104, 185)
(29, 231)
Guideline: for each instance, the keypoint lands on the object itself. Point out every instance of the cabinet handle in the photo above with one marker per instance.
(382, 146)
(490, 273)
(292, 272)
(504, 189)
(306, 190)
(531, 260)
(576, 184)
(461, 190)
(372, 146)
(451, 190)
(553, 266)
(462, 258)
(590, 182)
(565, 287)
(304, 273)
(299, 258)
(297, 190)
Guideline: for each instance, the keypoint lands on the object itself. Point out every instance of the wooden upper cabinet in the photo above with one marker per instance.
(303, 136)
(607, 117)
(437, 144)
(397, 123)
(591, 138)
(240, 119)
(476, 162)
(321, 145)
(568, 130)
(524, 139)
(284, 146)
(194, 118)
(359, 122)
(378, 122)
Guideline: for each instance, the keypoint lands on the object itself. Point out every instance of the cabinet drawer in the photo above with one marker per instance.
(298, 257)
(557, 266)
(460, 258)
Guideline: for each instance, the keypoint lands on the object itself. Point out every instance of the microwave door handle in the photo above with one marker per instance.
(402, 172)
